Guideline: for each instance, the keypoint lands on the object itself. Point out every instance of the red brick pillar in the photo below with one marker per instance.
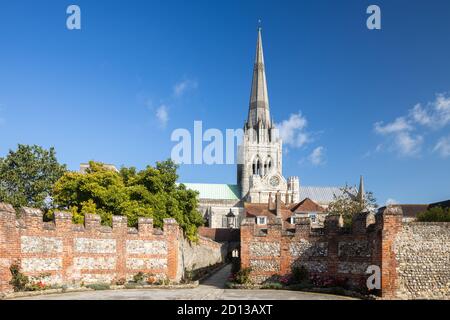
(9, 244)
(120, 231)
(63, 225)
(172, 233)
(247, 233)
(392, 225)
(332, 227)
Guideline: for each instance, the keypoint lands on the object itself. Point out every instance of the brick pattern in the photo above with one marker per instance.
(72, 254)
(326, 252)
(414, 258)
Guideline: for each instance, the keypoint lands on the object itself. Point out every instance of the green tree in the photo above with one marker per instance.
(346, 205)
(152, 192)
(27, 176)
(435, 214)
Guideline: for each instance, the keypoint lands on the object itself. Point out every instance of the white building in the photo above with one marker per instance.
(260, 172)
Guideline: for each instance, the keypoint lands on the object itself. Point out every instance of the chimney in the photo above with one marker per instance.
(270, 201)
(278, 204)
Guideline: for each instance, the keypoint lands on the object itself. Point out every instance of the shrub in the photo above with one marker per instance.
(243, 276)
(435, 214)
(329, 282)
(151, 278)
(188, 276)
(19, 281)
(37, 286)
(300, 274)
(131, 285)
(120, 282)
(272, 285)
(163, 281)
(99, 286)
(139, 277)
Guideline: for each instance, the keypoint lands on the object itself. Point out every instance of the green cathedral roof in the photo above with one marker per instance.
(215, 191)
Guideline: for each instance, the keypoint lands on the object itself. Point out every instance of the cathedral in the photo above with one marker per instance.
(260, 168)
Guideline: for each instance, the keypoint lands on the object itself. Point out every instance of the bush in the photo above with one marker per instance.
(163, 282)
(99, 286)
(139, 278)
(151, 278)
(19, 281)
(300, 274)
(272, 285)
(120, 282)
(152, 192)
(435, 214)
(243, 276)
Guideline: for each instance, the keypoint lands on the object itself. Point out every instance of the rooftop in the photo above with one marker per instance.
(215, 191)
(320, 195)
(323, 195)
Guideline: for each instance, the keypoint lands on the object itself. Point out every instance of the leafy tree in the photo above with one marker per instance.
(27, 176)
(346, 205)
(435, 214)
(152, 192)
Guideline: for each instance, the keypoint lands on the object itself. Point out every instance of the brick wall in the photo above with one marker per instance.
(414, 258)
(74, 254)
(220, 234)
(325, 252)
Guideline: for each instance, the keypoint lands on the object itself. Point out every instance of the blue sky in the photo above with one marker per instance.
(368, 102)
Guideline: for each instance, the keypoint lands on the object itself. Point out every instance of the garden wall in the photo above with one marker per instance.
(325, 252)
(413, 257)
(422, 252)
(202, 254)
(66, 253)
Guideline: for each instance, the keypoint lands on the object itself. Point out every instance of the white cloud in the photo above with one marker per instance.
(400, 124)
(317, 156)
(391, 201)
(420, 115)
(443, 147)
(408, 144)
(181, 87)
(399, 133)
(435, 114)
(162, 114)
(292, 131)
(400, 138)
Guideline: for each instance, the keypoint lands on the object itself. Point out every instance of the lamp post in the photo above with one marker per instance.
(231, 220)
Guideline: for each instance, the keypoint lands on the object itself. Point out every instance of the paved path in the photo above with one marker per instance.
(211, 289)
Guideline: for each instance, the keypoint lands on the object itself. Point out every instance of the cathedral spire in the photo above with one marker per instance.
(259, 98)
(361, 193)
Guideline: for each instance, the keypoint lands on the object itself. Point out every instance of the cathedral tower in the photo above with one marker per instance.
(260, 154)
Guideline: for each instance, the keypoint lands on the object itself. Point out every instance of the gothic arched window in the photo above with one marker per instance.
(269, 164)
